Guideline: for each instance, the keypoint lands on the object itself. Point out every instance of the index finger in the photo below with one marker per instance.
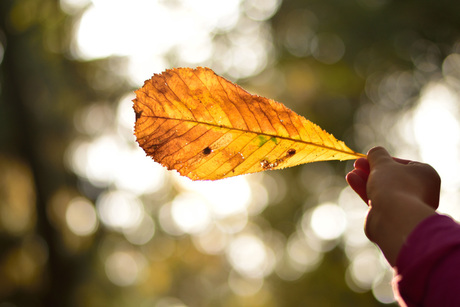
(378, 156)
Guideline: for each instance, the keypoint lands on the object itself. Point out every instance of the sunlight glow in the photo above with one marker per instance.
(214, 14)
(233, 38)
(259, 195)
(436, 126)
(125, 116)
(226, 197)
(432, 127)
(94, 119)
(119, 210)
(328, 221)
(364, 269)
(95, 160)
(137, 173)
(303, 256)
(249, 256)
(190, 213)
(355, 212)
(81, 217)
(382, 289)
(142, 232)
(73, 6)
(428, 131)
(149, 32)
(232, 223)
(244, 286)
(107, 159)
(124, 268)
(212, 242)
(451, 69)
(167, 223)
(261, 9)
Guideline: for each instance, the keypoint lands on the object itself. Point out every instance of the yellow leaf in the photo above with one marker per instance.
(208, 128)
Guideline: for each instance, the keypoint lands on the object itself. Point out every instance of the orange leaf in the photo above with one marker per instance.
(208, 128)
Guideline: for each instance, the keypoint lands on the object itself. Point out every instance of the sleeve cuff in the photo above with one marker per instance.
(426, 246)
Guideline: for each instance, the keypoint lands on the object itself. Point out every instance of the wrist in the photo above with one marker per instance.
(388, 225)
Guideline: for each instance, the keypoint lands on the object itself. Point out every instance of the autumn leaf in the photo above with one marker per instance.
(208, 128)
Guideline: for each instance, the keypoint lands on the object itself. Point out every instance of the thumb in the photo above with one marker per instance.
(378, 156)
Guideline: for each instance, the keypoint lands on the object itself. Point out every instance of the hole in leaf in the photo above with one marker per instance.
(207, 151)
(291, 152)
(138, 115)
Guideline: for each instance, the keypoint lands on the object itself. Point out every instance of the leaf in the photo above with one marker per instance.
(208, 128)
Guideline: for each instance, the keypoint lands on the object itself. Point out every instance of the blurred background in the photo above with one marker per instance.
(87, 220)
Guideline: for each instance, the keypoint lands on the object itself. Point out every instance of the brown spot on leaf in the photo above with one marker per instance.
(138, 115)
(264, 164)
(207, 151)
(291, 152)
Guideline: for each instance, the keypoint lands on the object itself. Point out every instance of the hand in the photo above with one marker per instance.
(400, 194)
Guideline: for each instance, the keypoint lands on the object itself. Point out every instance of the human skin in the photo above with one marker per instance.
(400, 194)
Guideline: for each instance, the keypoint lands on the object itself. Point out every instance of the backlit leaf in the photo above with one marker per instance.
(208, 128)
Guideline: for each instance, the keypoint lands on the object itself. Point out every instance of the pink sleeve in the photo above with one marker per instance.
(428, 265)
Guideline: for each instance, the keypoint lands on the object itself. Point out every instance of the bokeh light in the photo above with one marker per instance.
(190, 213)
(209, 212)
(162, 240)
(381, 288)
(302, 256)
(328, 221)
(363, 268)
(439, 104)
(125, 268)
(216, 214)
(81, 217)
(249, 256)
(73, 6)
(24, 264)
(142, 232)
(190, 34)
(327, 48)
(17, 197)
(213, 242)
(119, 210)
(244, 286)
(414, 113)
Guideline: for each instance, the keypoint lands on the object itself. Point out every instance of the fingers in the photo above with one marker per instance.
(420, 178)
(378, 156)
(430, 182)
(357, 179)
(361, 173)
(382, 153)
(362, 164)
